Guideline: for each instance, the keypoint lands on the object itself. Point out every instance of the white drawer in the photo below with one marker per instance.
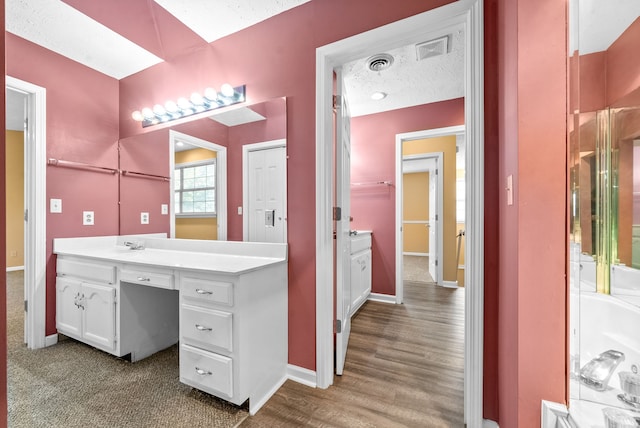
(86, 270)
(206, 328)
(208, 290)
(206, 371)
(147, 276)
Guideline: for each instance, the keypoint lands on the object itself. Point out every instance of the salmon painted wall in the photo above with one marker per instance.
(287, 68)
(82, 126)
(373, 145)
(531, 79)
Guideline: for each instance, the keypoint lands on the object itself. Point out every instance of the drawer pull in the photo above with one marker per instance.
(203, 328)
(144, 278)
(203, 372)
(201, 291)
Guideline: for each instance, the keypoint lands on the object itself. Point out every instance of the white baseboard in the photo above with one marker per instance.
(51, 340)
(487, 423)
(15, 268)
(551, 412)
(409, 253)
(302, 375)
(384, 298)
(256, 403)
(450, 284)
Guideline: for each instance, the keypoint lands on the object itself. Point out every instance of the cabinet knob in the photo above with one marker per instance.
(203, 372)
(201, 291)
(144, 278)
(203, 328)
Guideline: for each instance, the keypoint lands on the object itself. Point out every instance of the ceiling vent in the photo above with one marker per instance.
(432, 48)
(379, 62)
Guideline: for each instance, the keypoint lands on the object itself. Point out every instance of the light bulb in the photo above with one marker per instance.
(210, 94)
(196, 99)
(148, 113)
(171, 106)
(184, 104)
(227, 90)
(159, 110)
(137, 116)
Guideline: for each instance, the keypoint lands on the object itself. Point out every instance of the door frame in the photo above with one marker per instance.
(221, 180)
(35, 266)
(246, 148)
(430, 23)
(400, 159)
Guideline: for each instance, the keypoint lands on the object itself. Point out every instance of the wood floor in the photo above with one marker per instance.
(404, 368)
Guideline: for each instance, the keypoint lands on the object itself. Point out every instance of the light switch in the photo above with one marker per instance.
(164, 209)
(87, 218)
(55, 205)
(144, 218)
(239, 210)
(510, 190)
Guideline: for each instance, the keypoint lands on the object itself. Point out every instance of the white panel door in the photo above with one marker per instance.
(267, 184)
(433, 222)
(99, 315)
(343, 226)
(68, 307)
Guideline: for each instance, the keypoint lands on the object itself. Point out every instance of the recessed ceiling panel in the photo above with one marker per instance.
(237, 116)
(213, 20)
(66, 31)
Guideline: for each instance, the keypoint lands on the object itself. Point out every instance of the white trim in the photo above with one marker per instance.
(221, 180)
(551, 412)
(35, 201)
(400, 171)
(488, 423)
(432, 23)
(410, 253)
(256, 404)
(383, 298)
(450, 284)
(15, 268)
(51, 340)
(246, 148)
(301, 375)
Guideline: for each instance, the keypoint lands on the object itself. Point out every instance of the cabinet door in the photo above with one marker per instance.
(68, 311)
(99, 316)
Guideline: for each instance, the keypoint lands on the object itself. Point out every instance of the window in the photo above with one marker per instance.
(195, 189)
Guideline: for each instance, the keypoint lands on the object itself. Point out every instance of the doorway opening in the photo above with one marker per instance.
(330, 57)
(34, 211)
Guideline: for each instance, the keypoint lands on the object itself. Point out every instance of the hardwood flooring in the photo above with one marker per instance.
(404, 368)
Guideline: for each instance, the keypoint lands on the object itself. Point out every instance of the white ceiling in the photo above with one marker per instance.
(600, 22)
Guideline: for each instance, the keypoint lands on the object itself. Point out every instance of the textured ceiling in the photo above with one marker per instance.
(408, 81)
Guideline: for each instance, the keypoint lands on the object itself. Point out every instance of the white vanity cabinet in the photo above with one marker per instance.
(86, 302)
(360, 269)
(233, 333)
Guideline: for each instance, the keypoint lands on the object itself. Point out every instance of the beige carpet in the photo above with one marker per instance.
(416, 269)
(74, 385)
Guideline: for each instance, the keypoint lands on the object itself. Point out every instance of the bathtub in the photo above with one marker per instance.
(605, 322)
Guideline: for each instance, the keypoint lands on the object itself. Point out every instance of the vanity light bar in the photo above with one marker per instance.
(196, 103)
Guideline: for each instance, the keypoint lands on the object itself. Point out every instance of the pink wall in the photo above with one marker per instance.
(373, 158)
(531, 78)
(82, 126)
(287, 68)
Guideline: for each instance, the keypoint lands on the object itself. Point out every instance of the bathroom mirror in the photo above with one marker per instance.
(213, 146)
(604, 207)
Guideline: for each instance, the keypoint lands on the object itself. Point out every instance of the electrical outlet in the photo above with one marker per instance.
(55, 205)
(164, 209)
(87, 218)
(239, 210)
(144, 218)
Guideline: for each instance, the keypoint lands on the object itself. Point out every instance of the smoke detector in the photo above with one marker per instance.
(432, 48)
(379, 62)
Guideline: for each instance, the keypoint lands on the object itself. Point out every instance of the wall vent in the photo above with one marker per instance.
(432, 48)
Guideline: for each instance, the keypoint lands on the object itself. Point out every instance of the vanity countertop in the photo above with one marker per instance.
(215, 256)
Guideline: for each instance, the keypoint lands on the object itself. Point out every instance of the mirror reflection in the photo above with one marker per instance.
(604, 218)
(197, 181)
